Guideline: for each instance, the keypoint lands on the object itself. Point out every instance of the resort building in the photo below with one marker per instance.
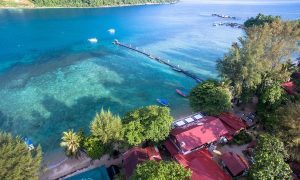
(196, 135)
(188, 142)
(290, 88)
(234, 163)
(137, 155)
(233, 123)
(202, 165)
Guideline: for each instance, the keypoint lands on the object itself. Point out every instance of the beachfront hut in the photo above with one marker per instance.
(202, 165)
(137, 155)
(234, 163)
(188, 139)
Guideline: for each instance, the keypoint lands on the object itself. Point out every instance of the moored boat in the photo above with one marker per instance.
(29, 143)
(93, 40)
(163, 101)
(182, 92)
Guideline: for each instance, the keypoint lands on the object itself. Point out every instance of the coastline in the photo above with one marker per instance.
(74, 7)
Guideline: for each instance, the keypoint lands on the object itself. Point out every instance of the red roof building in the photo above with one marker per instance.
(233, 123)
(202, 165)
(234, 163)
(290, 88)
(196, 136)
(137, 155)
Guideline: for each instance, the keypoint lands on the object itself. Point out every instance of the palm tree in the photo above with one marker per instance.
(71, 142)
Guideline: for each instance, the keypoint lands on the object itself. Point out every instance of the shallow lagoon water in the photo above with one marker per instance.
(52, 79)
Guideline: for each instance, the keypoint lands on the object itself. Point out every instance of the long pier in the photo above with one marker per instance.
(162, 61)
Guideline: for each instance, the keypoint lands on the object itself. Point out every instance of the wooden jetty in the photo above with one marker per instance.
(158, 59)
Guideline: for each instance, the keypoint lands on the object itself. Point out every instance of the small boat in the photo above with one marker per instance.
(112, 31)
(163, 102)
(182, 92)
(93, 40)
(29, 143)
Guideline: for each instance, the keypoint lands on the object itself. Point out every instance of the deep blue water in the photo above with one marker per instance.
(52, 79)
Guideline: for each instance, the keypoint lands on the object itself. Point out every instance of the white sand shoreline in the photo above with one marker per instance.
(74, 7)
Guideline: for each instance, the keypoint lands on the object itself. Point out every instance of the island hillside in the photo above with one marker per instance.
(77, 3)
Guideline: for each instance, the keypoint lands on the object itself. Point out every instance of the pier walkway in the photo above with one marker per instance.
(158, 59)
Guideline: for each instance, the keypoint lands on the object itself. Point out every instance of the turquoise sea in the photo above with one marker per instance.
(53, 79)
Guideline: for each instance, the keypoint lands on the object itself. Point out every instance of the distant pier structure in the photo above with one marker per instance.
(162, 61)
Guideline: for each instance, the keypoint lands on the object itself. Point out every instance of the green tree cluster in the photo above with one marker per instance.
(106, 130)
(210, 97)
(288, 128)
(163, 170)
(93, 3)
(151, 123)
(261, 59)
(270, 157)
(16, 161)
(260, 20)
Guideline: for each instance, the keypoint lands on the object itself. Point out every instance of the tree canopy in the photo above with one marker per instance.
(70, 141)
(210, 97)
(270, 158)
(106, 127)
(288, 129)
(262, 58)
(260, 20)
(16, 161)
(151, 123)
(163, 170)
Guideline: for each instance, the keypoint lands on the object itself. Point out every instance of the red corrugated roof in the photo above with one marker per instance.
(171, 147)
(137, 155)
(290, 87)
(153, 153)
(202, 166)
(235, 163)
(233, 123)
(197, 135)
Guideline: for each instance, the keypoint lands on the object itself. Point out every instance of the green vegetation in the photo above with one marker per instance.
(260, 20)
(70, 141)
(11, 3)
(151, 123)
(211, 98)
(270, 158)
(94, 148)
(106, 130)
(242, 138)
(261, 59)
(288, 128)
(16, 161)
(106, 127)
(93, 3)
(257, 66)
(163, 170)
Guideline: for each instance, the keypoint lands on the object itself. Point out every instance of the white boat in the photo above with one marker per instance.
(112, 31)
(93, 40)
